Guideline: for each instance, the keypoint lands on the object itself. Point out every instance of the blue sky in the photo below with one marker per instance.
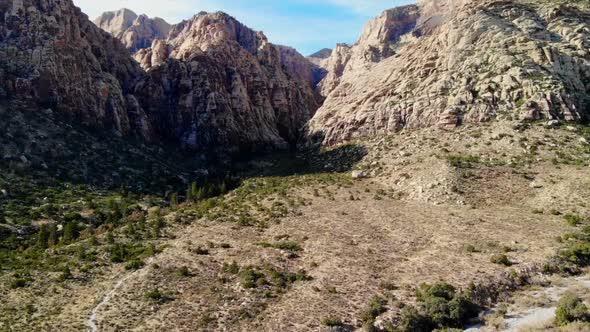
(308, 25)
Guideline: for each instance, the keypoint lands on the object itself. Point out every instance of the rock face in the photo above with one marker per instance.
(471, 61)
(215, 81)
(135, 32)
(214, 84)
(52, 56)
(378, 41)
(319, 57)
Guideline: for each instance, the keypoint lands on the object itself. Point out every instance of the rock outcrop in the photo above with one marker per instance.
(471, 61)
(318, 58)
(213, 84)
(378, 41)
(216, 82)
(52, 56)
(135, 32)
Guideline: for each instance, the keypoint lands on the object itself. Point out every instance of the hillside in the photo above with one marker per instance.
(433, 176)
(466, 63)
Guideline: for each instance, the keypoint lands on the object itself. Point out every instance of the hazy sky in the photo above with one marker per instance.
(307, 25)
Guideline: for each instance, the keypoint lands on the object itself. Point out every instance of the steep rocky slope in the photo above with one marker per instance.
(52, 56)
(471, 61)
(377, 42)
(215, 81)
(318, 58)
(135, 32)
(220, 85)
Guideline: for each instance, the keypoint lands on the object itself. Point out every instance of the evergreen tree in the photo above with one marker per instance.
(43, 237)
(222, 188)
(173, 199)
(52, 238)
(70, 232)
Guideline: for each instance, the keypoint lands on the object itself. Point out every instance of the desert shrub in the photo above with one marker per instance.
(331, 321)
(501, 259)
(573, 219)
(578, 253)
(157, 296)
(445, 306)
(570, 309)
(463, 161)
(252, 278)
(232, 268)
(184, 272)
(134, 264)
(375, 308)
(414, 321)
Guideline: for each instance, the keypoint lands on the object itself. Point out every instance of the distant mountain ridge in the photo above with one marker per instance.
(135, 32)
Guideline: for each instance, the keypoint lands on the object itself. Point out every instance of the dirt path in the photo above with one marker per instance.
(92, 321)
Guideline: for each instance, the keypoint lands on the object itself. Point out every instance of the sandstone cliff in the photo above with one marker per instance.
(377, 42)
(212, 84)
(52, 56)
(135, 32)
(215, 81)
(470, 62)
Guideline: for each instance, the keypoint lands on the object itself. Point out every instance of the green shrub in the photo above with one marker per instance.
(463, 161)
(134, 264)
(157, 296)
(375, 308)
(252, 277)
(573, 219)
(578, 253)
(413, 321)
(570, 308)
(445, 306)
(332, 321)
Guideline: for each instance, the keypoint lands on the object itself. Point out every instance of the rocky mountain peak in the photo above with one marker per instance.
(116, 22)
(322, 54)
(135, 32)
(466, 61)
(377, 42)
(206, 30)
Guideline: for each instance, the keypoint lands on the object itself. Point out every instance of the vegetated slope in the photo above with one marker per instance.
(221, 86)
(303, 246)
(472, 61)
(135, 32)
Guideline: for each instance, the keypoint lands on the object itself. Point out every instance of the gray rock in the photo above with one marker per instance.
(359, 175)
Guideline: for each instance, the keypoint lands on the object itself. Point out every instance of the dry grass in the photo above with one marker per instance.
(409, 223)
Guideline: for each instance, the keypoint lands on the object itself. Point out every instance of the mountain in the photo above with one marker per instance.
(215, 82)
(318, 57)
(321, 54)
(52, 56)
(135, 32)
(220, 85)
(461, 63)
(131, 198)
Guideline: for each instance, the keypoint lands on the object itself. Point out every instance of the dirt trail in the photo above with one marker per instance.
(520, 318)
(92, 322)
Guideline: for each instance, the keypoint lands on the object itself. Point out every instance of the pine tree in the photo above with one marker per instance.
(70, 232)
(200, 194)
(52, 238)
(173, 199)
(223, 188)
(43, 237)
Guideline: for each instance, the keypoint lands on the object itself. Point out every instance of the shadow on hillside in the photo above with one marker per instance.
(310, 161)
